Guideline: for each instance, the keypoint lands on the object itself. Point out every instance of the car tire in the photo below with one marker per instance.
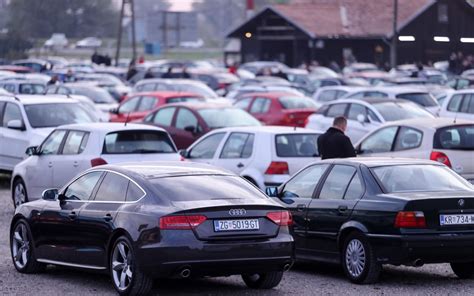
(19, 194)
(463, 270)
(359, 261)
(22, 250)
(267, 280)
(123, 267)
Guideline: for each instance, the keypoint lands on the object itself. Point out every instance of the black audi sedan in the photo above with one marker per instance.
(147, 220)
(363, 213)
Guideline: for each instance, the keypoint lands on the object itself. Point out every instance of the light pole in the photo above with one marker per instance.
(393, 45)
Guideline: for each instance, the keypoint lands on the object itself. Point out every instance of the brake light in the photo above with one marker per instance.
(306, 121)
(97, 161)
(440, 157)
(282, 218)
(181, 222)
(278, 168)
(410, 220)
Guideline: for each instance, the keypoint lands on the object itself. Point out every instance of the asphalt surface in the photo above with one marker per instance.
(303, 279)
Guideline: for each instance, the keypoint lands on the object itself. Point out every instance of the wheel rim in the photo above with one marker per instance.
(20, 194)
(20, 246)
(122, 266)
(355, 257)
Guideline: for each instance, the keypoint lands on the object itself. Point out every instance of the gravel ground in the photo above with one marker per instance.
(303, 279)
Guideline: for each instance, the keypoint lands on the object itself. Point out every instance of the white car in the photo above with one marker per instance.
(89, 42)
(58, 40)
(417, 95)
(25, 120)
(19, 86)
(458, 104)
(364, 115)
(184, 85)
(330, 93)
(439, 139)
(265, 155)
(71, 149)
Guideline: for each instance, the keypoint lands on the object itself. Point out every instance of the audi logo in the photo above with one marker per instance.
(461, 202)
(237, 212)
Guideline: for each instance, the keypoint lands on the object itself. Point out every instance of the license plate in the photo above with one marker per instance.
(236, 225)
(459, 219)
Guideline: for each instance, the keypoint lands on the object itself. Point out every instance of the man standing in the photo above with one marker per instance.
(334, 143)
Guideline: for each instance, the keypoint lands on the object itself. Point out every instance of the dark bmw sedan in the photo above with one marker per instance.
(147, 220)
(363, 213)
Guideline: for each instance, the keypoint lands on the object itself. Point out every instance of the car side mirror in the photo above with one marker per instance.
(183, 152)
(16, 125)
(33, 150)
(50, 194)
(190, 129)
(272, 191)
(114, 111)
(361, 118)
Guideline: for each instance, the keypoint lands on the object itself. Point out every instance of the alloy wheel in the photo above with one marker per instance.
(122, 266)
(355, 258)
(20, 246)
(19, 194)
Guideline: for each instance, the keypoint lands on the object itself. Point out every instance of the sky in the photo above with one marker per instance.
(181, 5)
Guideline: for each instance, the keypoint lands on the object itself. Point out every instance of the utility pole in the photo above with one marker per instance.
(134, 41)
(393, 45)
(120, 30)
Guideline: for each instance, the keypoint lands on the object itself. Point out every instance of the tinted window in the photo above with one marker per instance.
(82, 188)
(207, 147)
(297, 145)
(392, 111)
(164, 116)
(227, 117)
(355, 189)
(32, 89)
(138, 141)
(134, 193)
(296, 103)
(408, 138)
(376, 94)
(243, 104)
(260, 105)
(455, 103)
(337, 181)
(336, 110)
(52, 144)
(356, 109)
(379, 142)
(304, 183)
(112, 188)
(129, 106)
(183, 99)
(12, 112)
(185, 119)
(455, 138)
(52, 115)
(75, 143)
(147, 103)
(238, 145)
(423, 99)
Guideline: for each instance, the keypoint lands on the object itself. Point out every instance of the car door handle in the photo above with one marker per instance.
(300, 207)
(75, 164)
(240, 165)
(50, 164)
(108, 217)
(342, 209)
(72, 215)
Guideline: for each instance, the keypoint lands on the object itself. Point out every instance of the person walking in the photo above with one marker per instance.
(334, 143)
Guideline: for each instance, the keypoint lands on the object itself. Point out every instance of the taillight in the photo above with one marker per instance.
(97, 161)
(282, 218)
(410, 220)
(278, 168)
(181, 222)
(440, 157)
(306, 121)
(181, 158)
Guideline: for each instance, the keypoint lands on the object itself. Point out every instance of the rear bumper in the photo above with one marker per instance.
(216, 258)
(430, 248)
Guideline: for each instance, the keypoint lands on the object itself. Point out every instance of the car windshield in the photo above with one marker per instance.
(211, 187)
(201, 90)
(32, 89)
(227, 117)
(184, 99)
(423, 99)
(138, 141)
(410, 178)
(297, 145)
(455, 138)
(392, 111)
(296, 102)
(55, 114)
(96, 94)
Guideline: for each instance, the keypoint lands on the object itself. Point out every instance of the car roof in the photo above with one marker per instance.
(368, 100)
(162, 169)
(166, 94)
(435, 123)
(109, 127)
(380, 161)
(38, 99)
(269, 129)
(464, 91)
(269, 94)
(170, 81)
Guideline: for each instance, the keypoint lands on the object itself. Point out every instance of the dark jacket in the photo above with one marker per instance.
(334, 144)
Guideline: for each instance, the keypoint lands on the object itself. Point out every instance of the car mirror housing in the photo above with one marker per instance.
(361, 118)
(190, 129)
(16, 125)
(50, 194)
(272, 191)
(183, 153)
(33, 150)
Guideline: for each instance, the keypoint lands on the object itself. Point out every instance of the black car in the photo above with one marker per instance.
(366, 212)
(147, 220)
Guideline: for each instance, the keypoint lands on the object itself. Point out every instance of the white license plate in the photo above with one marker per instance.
(460, 219)
(234, 225)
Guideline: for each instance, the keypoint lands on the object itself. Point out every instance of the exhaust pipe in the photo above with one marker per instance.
(418, 263)
(185, 273)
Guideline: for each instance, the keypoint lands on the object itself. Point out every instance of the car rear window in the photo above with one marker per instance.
(423, 99)
(207, 187)
(297, 145)
(296, 102)
(454, 138)
(392, 111)
(55, 114)
(138, 141)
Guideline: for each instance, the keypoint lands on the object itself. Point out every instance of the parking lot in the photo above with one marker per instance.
(303, 279)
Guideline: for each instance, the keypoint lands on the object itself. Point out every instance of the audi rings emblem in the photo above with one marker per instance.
(237, 212)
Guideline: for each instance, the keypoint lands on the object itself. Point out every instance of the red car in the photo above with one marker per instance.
(277, 108)
(138, 105)
(186, 122)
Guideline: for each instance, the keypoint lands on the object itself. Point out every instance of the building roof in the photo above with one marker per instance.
(347, 18)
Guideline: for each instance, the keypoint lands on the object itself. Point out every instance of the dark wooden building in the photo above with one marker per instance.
(339, 30)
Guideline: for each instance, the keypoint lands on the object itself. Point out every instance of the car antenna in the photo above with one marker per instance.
(126, 119)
